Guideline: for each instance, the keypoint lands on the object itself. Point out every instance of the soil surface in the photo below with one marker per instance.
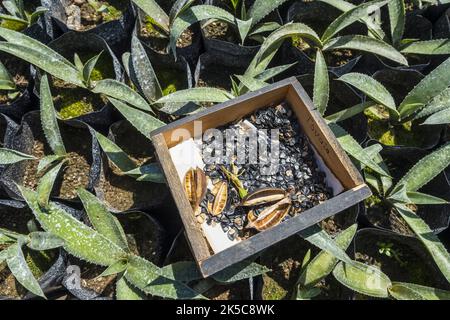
(220, 30)
(76, 170)
(83, 15)
(123, 192)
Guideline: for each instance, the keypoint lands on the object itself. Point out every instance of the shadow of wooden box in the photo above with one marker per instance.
(320, 136)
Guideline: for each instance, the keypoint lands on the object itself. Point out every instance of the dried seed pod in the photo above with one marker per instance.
(264, 195)
(270, 216)
(220, 201)
(195, 186)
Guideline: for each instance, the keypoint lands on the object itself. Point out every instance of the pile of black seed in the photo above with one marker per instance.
(297, 172)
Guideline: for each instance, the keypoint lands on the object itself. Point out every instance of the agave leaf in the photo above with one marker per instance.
(352, 147)
(143, 71)
(243, 28)
(143, 122)
(11, 234)
(147, 277)
(441, 117)
(40, 55)
(114, 153)
(374, 29)
(261, 8)
(36, 14)
(428, 47)
(154, 11)
(251, 83)
(411, 291)
(367, 44)
(321, 83)
(126, 291)
(78, 63)
(437, 104)
(323, 264)
(17, 20)
(4, 254)
(49, 122)
(351, 16)
(195, 14)
(184, 271)
(14, 7)
(79, 240)
(120, 91)
(431, 242)
(349, 112)
(197, 95)
(20, 270)
(263, 28)
(429, 87)
(48, 160)
(178, 7)
(371, 87)
(273, 72)
(397, 18)
(422, 198)
(289, 30)
(240, 271)
(102, 220)
(426, 169)
(45, 186)
(8, 156)
(365, 279)
(150, 172)
(89, 67)
(40, 241)
(6, 81)
(319, 238)
(117, 267)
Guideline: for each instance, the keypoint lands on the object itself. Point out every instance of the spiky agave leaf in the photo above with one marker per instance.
(323, 264)
(102, 220)
(428, 47)
(261, 8)
(240, 271)
(431, 242)
(114, 153)
(321, 83)
(411, 291)
(155, 12)
(143, 122)
(45, 186)
(147, 277)
(21, 271)
(8, 156)
(365, 279)
(41, 241)
(196, 95)
(426, 169)
(40, 55)
(126, 291)
(397, 19)
(49, 121)
(80, 240)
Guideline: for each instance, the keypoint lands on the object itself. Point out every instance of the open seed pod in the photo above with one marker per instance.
(195, 186)
(270, 216)
(263, 196)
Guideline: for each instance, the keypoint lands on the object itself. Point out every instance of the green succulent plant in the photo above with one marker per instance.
(17, 17)
(392, 124)
(248, 25)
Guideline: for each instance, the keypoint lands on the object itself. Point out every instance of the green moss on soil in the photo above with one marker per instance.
(170, 81)
(391, 134)
(113, 9)
(75, 102)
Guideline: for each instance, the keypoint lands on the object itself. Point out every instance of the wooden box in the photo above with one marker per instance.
(325, 144)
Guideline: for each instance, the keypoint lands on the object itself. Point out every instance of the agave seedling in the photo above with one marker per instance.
(248, 26)
(403, 197)
(397, 125)
(19, 14)
(130, 103)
